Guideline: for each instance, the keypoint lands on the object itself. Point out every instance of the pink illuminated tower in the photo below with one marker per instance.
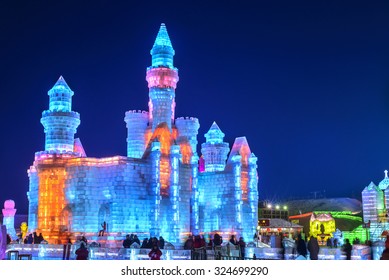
(162, 78)
(9, 218)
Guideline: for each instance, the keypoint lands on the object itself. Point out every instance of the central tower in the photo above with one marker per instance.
(162, 78)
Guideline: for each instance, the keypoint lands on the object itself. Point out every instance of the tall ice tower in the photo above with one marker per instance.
(162, 78)
(60, 122)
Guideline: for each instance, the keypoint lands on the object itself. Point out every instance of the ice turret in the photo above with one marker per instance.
(60, 122)
(136, 128)
(162, 78)
(187, 137)
(385, 182)
(214, 150)
(372, 203)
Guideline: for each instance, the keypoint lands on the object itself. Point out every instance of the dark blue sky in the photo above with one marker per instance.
(307, 82)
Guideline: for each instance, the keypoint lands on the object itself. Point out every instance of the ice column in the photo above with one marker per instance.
(174, 192)
(9, 218)
(237, 165)
(155, 188)
(252, 195)
(195, 196)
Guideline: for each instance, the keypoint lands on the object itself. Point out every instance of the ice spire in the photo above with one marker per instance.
(162, 52)
(162, 37)
(214, 134)
(61, 84)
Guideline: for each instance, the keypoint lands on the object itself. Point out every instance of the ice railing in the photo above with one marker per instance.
(53, 252)
(58, 252)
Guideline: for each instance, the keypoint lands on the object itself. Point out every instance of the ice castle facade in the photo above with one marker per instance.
(161, 188)
(375, 206)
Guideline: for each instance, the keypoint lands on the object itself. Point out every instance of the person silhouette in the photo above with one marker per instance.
(104, 227)
(155, 253)
(347, 248)
(313, 248)
(82, 253)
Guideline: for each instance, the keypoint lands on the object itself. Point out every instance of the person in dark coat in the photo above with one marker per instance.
(127, 242)
(301, 247)
(82, 253)
(35, 238)
(155, 253)
(40, 238)
(136, 239)
(161, 242)
(242, 246)
(30, 239)
(313, 248)
(347, 248)
(233, 240)
(217, 240)
(188, 245)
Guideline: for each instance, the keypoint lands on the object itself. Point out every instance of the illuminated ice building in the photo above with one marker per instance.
(375, 203)
(161, 188)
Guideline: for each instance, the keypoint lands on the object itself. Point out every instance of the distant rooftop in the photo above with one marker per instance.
(296, 207)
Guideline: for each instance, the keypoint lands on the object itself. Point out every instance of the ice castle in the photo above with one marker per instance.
(161, 188)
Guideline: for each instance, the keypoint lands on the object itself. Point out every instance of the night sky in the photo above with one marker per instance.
(307, 83)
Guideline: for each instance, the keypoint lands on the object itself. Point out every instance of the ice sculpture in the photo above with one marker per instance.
(375, 201)
(9, 218)
(156, 189)
(23, 229)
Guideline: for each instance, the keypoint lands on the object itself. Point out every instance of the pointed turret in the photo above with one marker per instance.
(214, 134)
(162, 52)
(242, 148)
(60, 96)
(162, 39)
(61, 84)
(372, 203)
(214, 150)
(60, 122)
(162, 78)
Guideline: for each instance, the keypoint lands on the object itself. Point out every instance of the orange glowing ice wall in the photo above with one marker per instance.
(165, 138)
(51, 201)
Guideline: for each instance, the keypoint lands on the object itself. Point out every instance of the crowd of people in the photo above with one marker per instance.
(304, 249)
(31, 238)
(198, 244)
